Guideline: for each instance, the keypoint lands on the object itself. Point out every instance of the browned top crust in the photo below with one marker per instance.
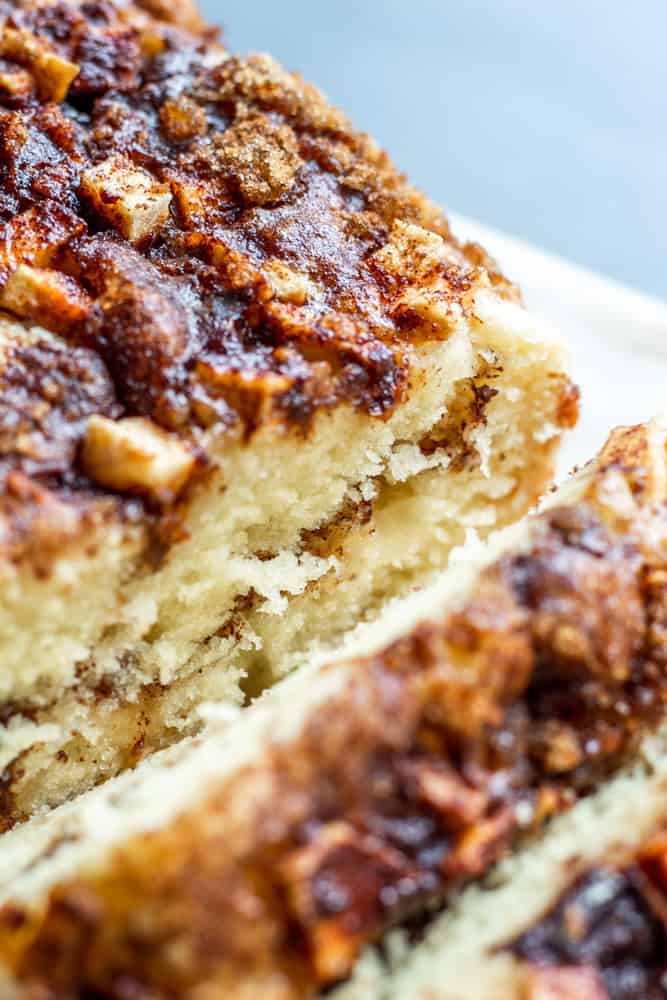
(411, 778)
(212, 243)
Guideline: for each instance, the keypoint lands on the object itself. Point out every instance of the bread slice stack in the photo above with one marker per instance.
(251, 386)
(524, 690)
(296, 697)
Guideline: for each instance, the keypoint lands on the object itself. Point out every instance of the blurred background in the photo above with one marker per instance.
(547, 120)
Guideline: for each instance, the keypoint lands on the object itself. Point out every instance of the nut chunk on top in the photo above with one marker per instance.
(127, 197)
(134, 455)
(208, 228)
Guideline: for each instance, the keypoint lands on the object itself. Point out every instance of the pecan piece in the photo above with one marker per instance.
(134, 455)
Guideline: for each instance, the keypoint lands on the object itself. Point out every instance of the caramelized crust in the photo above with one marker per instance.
(415, 776)
(215, 240)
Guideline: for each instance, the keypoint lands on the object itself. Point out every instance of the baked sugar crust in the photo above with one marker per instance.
(211, 247)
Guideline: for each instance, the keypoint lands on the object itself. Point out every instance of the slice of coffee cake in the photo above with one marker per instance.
(260, 859)
(251, 387)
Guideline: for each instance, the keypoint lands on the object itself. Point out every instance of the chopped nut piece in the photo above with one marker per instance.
(53, 298)
(134, 455)
(34, 236)
(197, 203)
(237, 268)
(52, 73)
(480, 845)
(289, 284)
(562, 751)
(16, 82)
(339, 874)
(130, 198)
(412, 252)
(434, 305)
(270, 382)
(564, 983)
(430, 268)
(446, 792)
(250, 393)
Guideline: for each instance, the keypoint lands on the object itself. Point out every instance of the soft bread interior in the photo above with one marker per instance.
(286, 548)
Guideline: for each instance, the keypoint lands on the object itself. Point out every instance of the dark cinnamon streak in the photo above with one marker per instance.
(412, 780)
(612, 925)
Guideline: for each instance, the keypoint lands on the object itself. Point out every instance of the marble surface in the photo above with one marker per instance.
(547, 120)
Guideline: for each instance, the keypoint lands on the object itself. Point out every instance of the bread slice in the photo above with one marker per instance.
(251, 387)
(260, 859)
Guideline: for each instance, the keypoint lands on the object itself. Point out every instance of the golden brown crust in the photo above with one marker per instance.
(414, 777)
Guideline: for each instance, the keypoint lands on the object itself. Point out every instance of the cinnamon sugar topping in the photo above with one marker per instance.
(178, 211)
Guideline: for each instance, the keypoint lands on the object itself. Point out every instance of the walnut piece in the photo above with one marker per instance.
(288, 284)
(447, 793)
(52, 73)
(134, 455)
(250, 393)
(52, 298)
(427, 271)
(352, 868)
(412, 253)
(128, 197)
(432, 305)
(237, 268)
(182, 119)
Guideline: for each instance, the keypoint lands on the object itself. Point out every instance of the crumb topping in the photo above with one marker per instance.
(207, 226)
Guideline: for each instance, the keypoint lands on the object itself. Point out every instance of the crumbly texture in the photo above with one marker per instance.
(251, 387)
(368, 790)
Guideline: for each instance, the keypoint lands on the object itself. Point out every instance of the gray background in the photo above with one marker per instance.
(545, 118)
